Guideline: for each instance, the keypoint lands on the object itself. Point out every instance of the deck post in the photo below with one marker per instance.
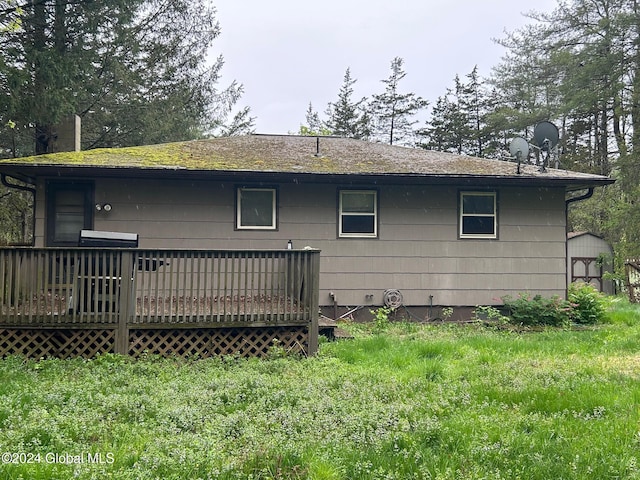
(126, 306)
(314, 299)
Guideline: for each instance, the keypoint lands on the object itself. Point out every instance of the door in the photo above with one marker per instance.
(69, 210)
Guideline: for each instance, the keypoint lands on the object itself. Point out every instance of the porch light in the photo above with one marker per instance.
(106, 207)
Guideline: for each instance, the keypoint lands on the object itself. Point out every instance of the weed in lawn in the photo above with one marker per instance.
(380, 319)
(487, 313)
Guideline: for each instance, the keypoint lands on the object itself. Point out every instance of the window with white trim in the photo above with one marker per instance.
(358, 213)
(256, 209)
(478, 218)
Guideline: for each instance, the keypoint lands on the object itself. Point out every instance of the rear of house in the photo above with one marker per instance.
(412, 227)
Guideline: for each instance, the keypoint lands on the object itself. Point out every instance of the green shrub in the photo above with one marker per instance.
(589, 306)
(538, 310)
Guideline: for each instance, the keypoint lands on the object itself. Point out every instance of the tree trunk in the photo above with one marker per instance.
(42, 130)
(603, 153)
(43, 139)
(635, 88)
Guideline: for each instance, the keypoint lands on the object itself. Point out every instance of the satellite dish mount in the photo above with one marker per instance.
(519, 149)
(545, 138)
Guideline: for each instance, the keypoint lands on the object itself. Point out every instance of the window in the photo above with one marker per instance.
(69, 210)
(478, 217)
(256, 209)
(358, 212)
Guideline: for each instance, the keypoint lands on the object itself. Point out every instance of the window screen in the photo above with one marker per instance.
(256, 208)
(478, 214)
(358, 213)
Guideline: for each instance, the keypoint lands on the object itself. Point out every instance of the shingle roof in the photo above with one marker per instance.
(571, 235)
(291, 154)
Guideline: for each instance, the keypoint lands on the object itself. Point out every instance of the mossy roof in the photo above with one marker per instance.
(291, 154)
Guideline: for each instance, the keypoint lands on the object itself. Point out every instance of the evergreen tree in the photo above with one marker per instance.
(313, 126)
(457, 122)
(345, 117)
(393, 112)
(136, 71)
(436, 135)
(580, 68)
(242, 123)
(446, 130)
(524, 87)
(10, 16)
(473, 103)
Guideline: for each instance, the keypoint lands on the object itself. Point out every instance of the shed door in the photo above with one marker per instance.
(69, 210)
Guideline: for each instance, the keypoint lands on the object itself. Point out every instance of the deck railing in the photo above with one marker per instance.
(49, 287)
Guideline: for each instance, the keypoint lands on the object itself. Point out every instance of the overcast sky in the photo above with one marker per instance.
(288, 53)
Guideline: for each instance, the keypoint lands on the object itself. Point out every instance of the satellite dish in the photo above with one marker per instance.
(520, 146)
(546, 136)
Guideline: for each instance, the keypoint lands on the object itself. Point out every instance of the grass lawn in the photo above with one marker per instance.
(410, 401)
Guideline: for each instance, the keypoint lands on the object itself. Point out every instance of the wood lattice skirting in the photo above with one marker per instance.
(245, 342)
(87, 343)
(58, 343)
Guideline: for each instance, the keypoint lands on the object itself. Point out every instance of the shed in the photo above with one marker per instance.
(589, 257)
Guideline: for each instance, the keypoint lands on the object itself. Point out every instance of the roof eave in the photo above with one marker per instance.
(571, 182)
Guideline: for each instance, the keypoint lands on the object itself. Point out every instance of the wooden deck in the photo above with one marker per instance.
(86, 301)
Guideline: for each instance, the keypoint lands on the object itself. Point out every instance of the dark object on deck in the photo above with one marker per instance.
(97, 238)
(100, 278)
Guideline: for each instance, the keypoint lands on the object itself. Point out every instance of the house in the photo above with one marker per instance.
(397, 226)
(589, 257)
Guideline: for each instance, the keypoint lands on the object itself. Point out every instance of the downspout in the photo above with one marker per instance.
(6, 183)
(589, 194)
(4, 179)
(567, 202)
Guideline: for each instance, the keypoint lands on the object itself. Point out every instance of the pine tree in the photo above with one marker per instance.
(580, 68)
(473, 103)
(345, 117)
(313, 126)
(10, 16)
(524, 86)
(242, 123)
(135, 71)
(438, 133)
(393, 112)
(457, 121)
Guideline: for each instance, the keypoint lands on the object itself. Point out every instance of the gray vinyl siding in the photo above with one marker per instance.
(417, 250)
